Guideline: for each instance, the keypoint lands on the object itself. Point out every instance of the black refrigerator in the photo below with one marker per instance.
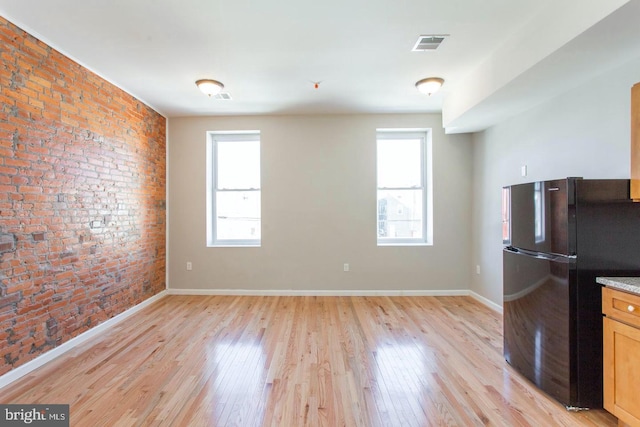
(559, 236)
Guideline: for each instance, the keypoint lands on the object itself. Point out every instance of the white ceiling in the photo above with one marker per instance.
(268, 53)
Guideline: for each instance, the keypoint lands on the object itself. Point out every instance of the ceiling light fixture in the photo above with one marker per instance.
(209, 87)
(429, 85)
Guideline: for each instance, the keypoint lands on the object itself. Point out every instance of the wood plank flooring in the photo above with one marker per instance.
(298, 361)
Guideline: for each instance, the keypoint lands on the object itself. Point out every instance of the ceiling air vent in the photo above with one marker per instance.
(223, 96)
(426, 43)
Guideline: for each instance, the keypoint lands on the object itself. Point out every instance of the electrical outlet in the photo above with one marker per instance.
(189, 266)
(345, 267)
(477, 269)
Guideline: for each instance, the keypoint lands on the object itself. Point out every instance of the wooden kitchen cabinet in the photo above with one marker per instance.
(635, 142)
(621, 363)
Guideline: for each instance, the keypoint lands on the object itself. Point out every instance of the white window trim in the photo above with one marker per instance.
(427, 184)
(212, 138)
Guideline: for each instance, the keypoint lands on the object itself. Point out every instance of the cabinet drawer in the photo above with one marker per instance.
(621, 306)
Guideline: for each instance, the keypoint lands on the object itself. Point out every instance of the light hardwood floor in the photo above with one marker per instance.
(295, 361)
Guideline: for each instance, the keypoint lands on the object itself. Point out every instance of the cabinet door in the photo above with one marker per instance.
(622, 371)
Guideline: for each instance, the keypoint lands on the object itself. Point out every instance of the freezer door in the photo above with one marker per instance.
(538, 321)
(542, 216)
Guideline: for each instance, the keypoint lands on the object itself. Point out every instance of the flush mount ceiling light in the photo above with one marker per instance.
(429, 85)
(209, 87)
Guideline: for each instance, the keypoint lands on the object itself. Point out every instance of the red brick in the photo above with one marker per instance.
(38, 48)
(15, 95)
(66, 135)
(18, 163)
(40, 80)
(29, 189)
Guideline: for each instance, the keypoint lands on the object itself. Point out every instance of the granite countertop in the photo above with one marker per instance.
(628, 284)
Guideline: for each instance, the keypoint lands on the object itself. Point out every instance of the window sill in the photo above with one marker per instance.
(234, 245)
(404, 244)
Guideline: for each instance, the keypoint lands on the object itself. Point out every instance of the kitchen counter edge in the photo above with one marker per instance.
(627, 284)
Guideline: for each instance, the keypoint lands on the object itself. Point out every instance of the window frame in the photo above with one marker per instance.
(213, 137)
(506, 215)
(424, 135)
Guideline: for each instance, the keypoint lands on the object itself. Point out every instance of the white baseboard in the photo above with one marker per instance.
(327, 293)
(492, 305)
(32, 365)
(339, 293)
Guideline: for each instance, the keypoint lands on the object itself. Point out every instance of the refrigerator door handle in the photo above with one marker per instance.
(567, 259)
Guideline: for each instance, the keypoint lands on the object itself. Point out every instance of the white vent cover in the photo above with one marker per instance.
(223, 96)
(430, 42)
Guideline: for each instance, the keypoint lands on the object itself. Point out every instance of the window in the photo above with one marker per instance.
(404, 187)
(506, 214)
(233, 189)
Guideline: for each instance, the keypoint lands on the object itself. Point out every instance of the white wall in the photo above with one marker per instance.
(585, 132)
(318, 208)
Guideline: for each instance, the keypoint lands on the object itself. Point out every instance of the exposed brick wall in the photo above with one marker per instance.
(82, 199)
